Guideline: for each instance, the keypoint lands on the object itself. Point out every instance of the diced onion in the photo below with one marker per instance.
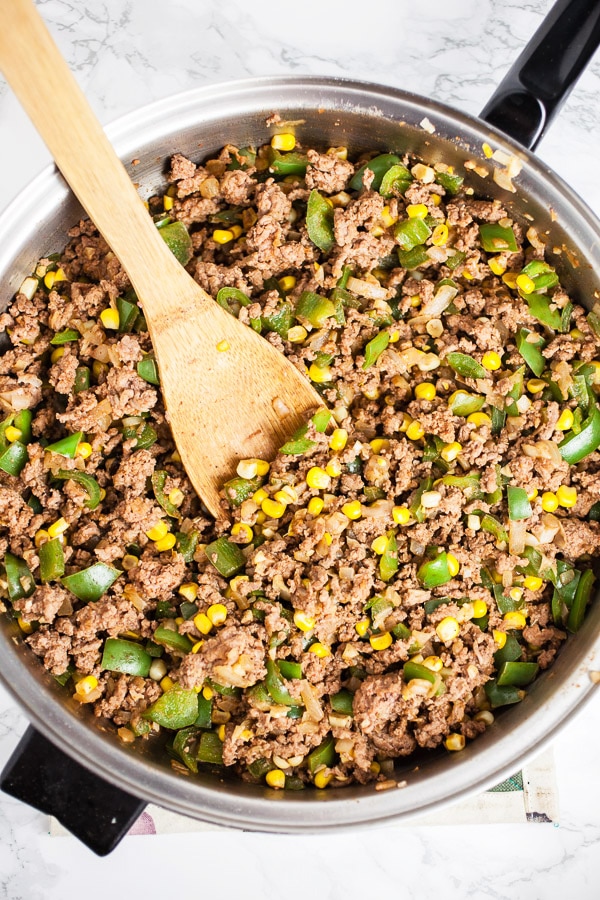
(516, 537)
(366, 289)
(441, 300)
(311, 701)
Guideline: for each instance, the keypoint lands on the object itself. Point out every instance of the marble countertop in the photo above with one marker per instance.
(127, 53)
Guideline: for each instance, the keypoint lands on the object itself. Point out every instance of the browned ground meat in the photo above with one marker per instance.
(362, 604)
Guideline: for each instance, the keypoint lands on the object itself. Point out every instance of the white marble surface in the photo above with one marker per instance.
(127, 53)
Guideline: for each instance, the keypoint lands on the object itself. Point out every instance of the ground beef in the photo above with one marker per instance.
(327, 172)
(233, 657)
(308, 618)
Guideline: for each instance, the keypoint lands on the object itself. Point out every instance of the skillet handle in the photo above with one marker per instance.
(96, 812)
(536, 86)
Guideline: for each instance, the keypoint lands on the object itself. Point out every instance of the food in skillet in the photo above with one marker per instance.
(413, 557)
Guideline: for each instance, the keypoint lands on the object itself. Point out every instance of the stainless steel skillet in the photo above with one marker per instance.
(70, 766)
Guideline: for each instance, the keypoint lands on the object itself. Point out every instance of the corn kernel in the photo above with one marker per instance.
(322, 778)
(284, 142)
(549, 501)
(487, 151)
(466, 274)
(110, 318)
(379, 444)
(496, 265)
(259, 495)
(234, 586)
(516, 594)
(532, 494)
(320, 650)
(41, 537)
(479, 419)
(453, 564)
(401, 515)
(86, 685)
(536, 385)
(515, 620)
(447, 629)
(26, 627)
(455, 742)
(166, 543)
(166, 683)
(203, 623)
(379, 545)
(327, 539)
(439, 236)
(406, 420)
(272, 508)
(434, 663)
(129, 562)
(334, 468)
(425, 391)
(208, 693)
(566, 496)
(352, 509)
(222, 235)
(57, 528)
(189, 591)
(223, 346)
(387, 218)
(565, 421)
(416, 210)
(168, 203)
(12, 434)
(275, 778)
(315, 505)
(499, 637)
(297, 334)
(510, 279)
(362, 626)
(415, 301)
(49, 279)
(320, 374)
(377, 231)
(479, 609)
(318, 479)
(303, 621)
(57, 354)
(381, 641)
(533, 583)
(415, 431)
(338, 439)
(221, 733)
(217, 613)
(287, 283)
(491, 361)
(158, 531)
(525, 283)
(451, 451)
(243, 531)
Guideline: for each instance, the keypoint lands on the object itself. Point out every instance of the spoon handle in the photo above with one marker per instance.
(45, 86)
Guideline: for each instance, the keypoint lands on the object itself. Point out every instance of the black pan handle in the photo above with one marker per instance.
(96, 812)
(538, 83)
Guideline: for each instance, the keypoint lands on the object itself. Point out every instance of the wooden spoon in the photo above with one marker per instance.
(222, 404)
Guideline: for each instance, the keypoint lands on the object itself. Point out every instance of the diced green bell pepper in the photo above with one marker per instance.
(319, 221)
(176, 708)
(126, 657)
(227, 558)
(91, 583)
